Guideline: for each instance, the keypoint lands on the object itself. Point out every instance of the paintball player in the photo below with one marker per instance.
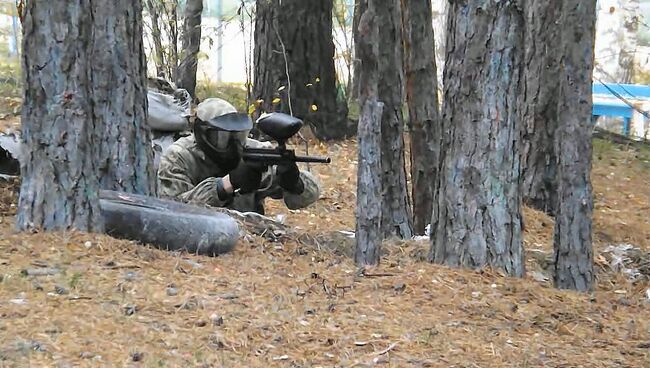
(207, 166)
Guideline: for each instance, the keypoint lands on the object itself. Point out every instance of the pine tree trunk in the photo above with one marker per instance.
(171, 8)
(396, 211)
(573, 221)
(60, 187)
(295, 37)
(422, 97)
(191, 42)
(84, 117)
(539, 99)
(476, 219)
(359, 7)
(119, 97)
(369, 184)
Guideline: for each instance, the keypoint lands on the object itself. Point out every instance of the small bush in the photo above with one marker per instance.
(234, 93)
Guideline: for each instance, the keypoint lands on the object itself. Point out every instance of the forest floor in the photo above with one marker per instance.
(116, 303)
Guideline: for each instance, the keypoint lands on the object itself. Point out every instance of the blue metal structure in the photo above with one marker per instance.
(630, 91)
(617, 97)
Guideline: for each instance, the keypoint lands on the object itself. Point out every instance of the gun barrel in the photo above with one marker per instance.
(274, 157)
(317, 159)
(262, 156)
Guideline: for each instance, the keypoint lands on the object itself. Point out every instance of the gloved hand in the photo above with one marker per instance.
(246, 177)
(289, 177)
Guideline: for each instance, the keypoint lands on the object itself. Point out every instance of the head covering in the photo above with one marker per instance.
(213, 107)
(220, 131)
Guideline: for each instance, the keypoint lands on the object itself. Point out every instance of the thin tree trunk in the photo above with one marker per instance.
(119, 96)
(396, 210)
(422, 97)
(539, 99)
(359, 7)
(156, 36)
(573, 221)
(294, 61)
(191, 42)
(369, 187)
(173, 39)
(476, 219)
(60, 188)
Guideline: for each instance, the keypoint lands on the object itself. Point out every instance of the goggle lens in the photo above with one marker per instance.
(221, 139)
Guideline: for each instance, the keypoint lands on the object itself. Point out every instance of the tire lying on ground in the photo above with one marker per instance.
(167, 224)
(10, 154)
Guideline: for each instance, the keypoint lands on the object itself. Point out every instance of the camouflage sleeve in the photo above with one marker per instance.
(307, 197)
(174, 181)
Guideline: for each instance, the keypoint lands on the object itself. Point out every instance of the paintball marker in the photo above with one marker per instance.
(280, 127)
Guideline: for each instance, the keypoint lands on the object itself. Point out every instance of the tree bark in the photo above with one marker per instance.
(119, 97)
(539, 99)
(191, 43)
(572, 242)
(396, 211)
(60, 187)
(84, 117)
(476, 219)
(359, 7)
(294, 38)
(369, 185)
(422, 97)
(172, 31)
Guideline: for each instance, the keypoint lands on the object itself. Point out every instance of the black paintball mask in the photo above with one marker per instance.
(223, 138)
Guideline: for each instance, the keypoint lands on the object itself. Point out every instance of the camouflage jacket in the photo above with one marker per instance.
(185, 173)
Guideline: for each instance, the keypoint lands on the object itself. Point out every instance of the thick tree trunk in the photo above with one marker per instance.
(84, 117)
(119, 97)
(573, 221)
(369, 184)
(60, 187)
(191, 42)
(294, 38)
(396, 211)
(476, 219)
(422, 97)
(539, 99)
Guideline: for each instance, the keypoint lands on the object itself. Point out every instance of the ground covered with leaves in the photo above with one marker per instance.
(70, 299)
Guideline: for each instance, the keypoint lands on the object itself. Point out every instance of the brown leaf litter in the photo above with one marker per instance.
(98, 301)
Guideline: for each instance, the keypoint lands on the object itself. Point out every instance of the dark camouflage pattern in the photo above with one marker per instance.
(187, 174)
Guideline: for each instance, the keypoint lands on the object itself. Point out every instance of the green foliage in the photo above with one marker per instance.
(603, 147)
(608, 151)
(641, 76)
(75, 280)
(644, 39)
(341, 14)
(354, 110)
(162, 22)
(234, 93)
(10, 85)
(7, 8)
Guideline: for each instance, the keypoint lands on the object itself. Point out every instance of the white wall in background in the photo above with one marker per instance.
(616, 40)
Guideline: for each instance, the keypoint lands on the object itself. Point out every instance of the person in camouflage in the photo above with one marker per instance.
(207, 167)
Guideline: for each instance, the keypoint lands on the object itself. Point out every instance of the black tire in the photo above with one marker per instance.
(167, 224)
